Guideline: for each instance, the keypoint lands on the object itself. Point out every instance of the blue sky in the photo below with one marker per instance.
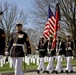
(22, 5)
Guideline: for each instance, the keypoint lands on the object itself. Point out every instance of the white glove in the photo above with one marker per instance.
(66, 49)
(49, 52)
(69, 48)
(36, 48)
(6, 53)
(72, 57)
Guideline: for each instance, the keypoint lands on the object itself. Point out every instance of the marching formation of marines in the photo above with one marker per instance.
(17, 42)
(62, 49)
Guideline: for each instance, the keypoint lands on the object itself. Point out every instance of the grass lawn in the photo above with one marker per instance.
(31, 66)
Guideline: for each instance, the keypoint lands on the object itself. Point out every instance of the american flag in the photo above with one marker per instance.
(50, 24)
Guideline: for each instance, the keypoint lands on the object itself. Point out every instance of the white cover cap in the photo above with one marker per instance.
(19, 22)
(41, 36)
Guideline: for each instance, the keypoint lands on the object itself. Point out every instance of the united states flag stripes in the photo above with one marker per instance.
(49, 26)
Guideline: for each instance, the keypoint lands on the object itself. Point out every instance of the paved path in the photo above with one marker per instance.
(35, 73)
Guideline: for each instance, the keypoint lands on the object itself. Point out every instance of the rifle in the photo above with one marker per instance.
(58, 47)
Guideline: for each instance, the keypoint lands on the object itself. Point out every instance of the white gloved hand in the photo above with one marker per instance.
(36, 48)
(49, 53)
(72, 57)
(6, 53)
(66, 49)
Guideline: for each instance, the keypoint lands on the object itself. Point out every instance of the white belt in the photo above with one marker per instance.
(69, 48)
(18, 44)
(41, 50)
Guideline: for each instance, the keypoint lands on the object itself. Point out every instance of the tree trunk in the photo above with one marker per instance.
(74, 47)
(74, 29)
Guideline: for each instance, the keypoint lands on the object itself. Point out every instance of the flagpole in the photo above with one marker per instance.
(57, 19)
(56, 27)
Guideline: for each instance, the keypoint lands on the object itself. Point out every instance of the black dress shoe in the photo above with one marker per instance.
(66, 71)
(53, 71)
(71, 71)
(47, 72)
(44, 71)
(56, 72)
(61, 71)
(38, 71)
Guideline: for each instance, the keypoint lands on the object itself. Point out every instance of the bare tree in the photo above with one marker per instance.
(68, 15)
(68, 9)
(40, 11)
(11, 14)
(39, 14)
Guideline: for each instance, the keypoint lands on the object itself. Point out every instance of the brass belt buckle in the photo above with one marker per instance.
(14, 44)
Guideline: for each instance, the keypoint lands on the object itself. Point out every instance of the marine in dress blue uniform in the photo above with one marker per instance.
(42, 53)
(2, 38)
(60, 50)
(15, 48)
(51, 54)
(2, 43)
(69, 53)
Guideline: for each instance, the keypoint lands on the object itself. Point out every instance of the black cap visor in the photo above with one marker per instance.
(19, 25)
